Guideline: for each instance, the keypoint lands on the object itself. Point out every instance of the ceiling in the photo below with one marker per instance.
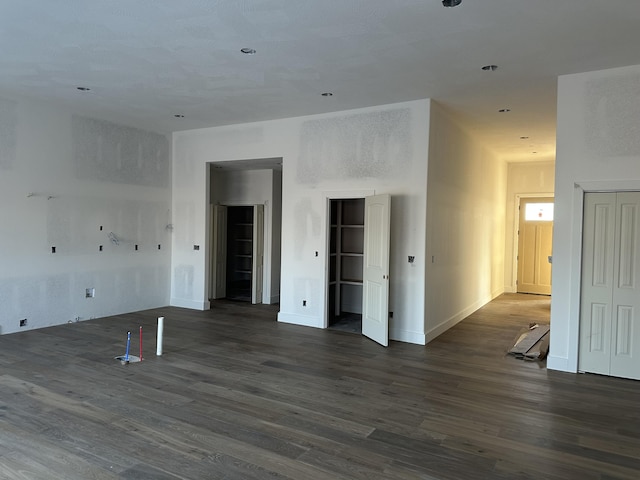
(145, 61)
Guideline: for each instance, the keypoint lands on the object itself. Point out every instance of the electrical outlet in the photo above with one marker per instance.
(390, 314)
(304, 303)
(90, 293)
(23, 322)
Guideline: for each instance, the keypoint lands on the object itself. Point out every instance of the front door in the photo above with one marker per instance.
(535, 234)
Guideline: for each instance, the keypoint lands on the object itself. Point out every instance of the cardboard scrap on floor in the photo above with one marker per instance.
(532, 344)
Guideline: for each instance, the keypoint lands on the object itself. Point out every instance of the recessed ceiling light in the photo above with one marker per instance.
(327, 94)
(179, 115)
(248, 51)
(504, 110)
(490, 68)
(451, 3)
(83, 89)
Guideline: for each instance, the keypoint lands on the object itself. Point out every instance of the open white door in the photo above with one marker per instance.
(375, 294)
(257, 265)
(219, 252)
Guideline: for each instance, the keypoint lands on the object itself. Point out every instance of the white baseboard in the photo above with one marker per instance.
(560, 364)
(458, 317)
(191, 304)
(305, 321)
(407, 336)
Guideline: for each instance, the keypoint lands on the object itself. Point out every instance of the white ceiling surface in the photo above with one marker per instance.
(146, 60)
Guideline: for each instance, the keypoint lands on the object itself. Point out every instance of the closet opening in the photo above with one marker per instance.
(346, 247)
(239, 253)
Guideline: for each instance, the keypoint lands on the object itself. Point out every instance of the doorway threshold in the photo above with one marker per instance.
(350, 322)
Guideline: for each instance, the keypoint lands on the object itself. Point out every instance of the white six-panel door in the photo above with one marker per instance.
(610, 302)
(375, 293)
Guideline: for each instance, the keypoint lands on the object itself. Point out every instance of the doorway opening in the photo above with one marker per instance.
(346, 251)
(239, 253)
(358, 246)
(535, 238)
(244, 230)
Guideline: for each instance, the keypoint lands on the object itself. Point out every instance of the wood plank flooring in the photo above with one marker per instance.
(237, 395)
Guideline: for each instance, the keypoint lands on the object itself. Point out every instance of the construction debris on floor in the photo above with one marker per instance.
(532, 344)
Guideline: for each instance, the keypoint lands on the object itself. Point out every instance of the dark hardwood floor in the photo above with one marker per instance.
(238, 396)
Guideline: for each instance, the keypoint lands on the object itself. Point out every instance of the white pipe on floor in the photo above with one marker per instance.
(159, 337)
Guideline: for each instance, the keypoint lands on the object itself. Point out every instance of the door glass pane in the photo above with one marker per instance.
(538, 212)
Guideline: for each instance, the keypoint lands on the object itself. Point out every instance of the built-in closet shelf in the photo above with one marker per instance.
(351, 282)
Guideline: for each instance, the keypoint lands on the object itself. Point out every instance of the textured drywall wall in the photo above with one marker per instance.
(373, 144)
(527, 179)
(379, 149)
(118, 154)
(8, 133)
(598, 149)
(466, 194)
(98, 193)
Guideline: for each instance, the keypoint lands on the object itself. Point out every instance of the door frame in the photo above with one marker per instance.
(514, 233)
(328, 196)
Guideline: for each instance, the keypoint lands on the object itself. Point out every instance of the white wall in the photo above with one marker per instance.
(524, 179)
(98, 174)
(466, 193)
(598, 149)
(253, 187)
(381, 149)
